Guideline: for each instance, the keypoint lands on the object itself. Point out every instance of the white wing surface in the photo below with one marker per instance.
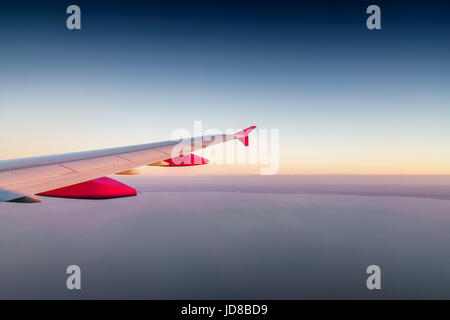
(22, 179)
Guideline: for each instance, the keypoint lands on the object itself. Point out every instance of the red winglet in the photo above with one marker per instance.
(242, 136)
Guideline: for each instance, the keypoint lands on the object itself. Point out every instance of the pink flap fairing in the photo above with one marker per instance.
(101, 188)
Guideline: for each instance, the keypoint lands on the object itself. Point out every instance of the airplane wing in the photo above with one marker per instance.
(82, 174)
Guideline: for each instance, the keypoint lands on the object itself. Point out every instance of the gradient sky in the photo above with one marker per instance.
(345, 99)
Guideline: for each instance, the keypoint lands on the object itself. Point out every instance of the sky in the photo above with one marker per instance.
(345, 99)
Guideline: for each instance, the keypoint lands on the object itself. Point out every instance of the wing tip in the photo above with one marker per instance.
(242, 136)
